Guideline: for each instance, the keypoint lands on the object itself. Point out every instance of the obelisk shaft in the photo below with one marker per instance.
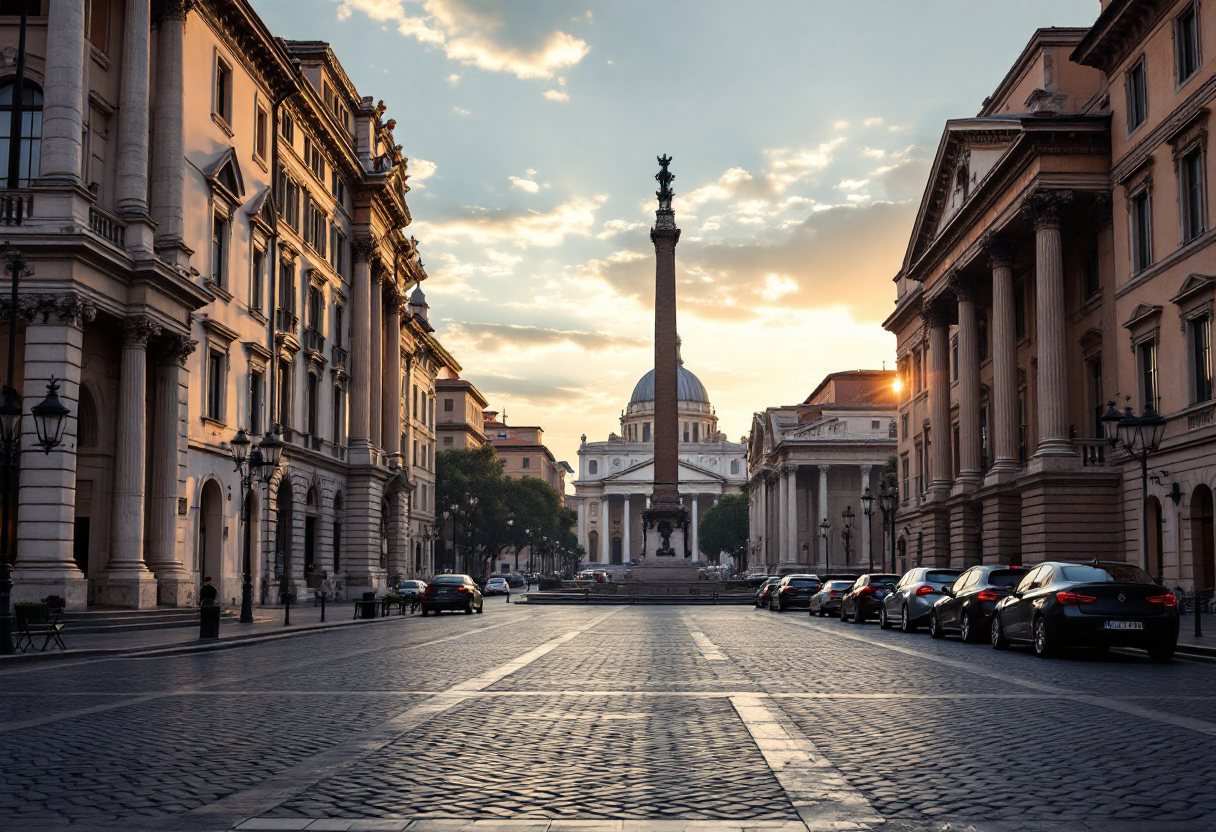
(666, 382)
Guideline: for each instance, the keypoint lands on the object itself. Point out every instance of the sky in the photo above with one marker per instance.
(801, 131)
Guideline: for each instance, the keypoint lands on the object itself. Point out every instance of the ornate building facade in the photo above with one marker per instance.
(215, 228)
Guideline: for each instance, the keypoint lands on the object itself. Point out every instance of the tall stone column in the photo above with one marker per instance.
(761, 518)
(866, 553)
(131, 186)
(1004, 416)
(791, 513)
(361, 353)
(937, 318)
(582, 526)
(46, 493)
(168, 184)
(823, 510)
(696, 532)
(625, 538)
(62, 93)
(969, 477)
(174, 584)
(127, 581)
(391, 406)
(376, 348)
(1055, 449)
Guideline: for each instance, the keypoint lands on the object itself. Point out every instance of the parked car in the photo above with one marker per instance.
(827, 600)
(516, 580)
(762, 594)
(411, 589)
(451, 592)
(966, 607)
(793, 591)
(496, 586)
(909, 605)
(865, 597)
(1098, 605)
(752, 581)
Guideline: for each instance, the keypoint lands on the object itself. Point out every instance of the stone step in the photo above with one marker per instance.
(130, 621)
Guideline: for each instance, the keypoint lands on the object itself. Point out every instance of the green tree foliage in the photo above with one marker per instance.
(724, 529)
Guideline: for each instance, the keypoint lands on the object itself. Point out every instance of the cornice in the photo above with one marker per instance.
(250, 42)
(1183, 114)
(1118, 30)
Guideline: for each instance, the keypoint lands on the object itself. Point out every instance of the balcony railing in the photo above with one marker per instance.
(338, 357)
(285, 321)
(313, 340)
(15, 206)
(1093, 451)
(107, 226)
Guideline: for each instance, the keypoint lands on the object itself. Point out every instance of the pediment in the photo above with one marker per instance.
(1195, 284)
(643, 472)
(261, 209)
(224, 176)
(1142, 313)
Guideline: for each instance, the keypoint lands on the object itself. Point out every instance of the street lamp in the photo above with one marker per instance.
(847, 531)
(887, 500)
(1140, 437)
(824, 532)
(261, 462)
(867, 508)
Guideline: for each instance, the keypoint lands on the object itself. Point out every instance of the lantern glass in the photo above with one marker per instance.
(867, 501)
(50, 418)
(240, 448)
(1110, 423)
(848, 515)
(1152, 430)
(1129, 433)
(272, 451)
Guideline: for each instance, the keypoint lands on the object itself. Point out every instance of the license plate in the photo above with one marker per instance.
(1123, 625)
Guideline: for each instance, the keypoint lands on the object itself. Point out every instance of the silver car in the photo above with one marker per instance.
(909, 604)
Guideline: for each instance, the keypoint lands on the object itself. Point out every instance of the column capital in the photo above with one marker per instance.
(394, 298)
(361, 248)
(174, 348)
(964, 286)
(823, 469)
(137, 330)
(70, 308)
(999, 248)
(170, 10)
(1044, 208)
(865, 469)
(937, 312)
(377, 268)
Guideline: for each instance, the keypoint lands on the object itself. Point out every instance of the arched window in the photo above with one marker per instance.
(31, 129)
(86, 421)
(593, 467)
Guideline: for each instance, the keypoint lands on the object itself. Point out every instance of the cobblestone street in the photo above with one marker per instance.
(626, 718)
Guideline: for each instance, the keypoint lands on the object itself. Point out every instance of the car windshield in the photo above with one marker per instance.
(1005, 577)
(840, 584)
(449, 580)
(942, 576)
(1107, 573)
(803, 582)
(885, 579)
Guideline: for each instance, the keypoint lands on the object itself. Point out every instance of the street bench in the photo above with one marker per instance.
(38, 620)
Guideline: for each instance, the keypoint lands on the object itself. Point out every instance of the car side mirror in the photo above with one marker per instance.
(1016, 594)
(948, 591)
(1009, 589)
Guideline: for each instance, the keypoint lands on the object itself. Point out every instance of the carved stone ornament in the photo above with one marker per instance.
(361, 248)
(1000, 250)
(136, 331)
(173, 348)
(964, 286)
(170, 10)
(74, 310)
(377, 266)
(394, 300)
(1044, 208)
(70, 309)
(937, 311)
(1100, 210)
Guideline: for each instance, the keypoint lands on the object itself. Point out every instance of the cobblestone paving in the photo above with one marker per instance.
(651, 717)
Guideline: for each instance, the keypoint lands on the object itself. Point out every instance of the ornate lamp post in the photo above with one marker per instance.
(847, 531)
(867, 508)
(50, 422)
(1140, 437)
(887, 500)
(825, 533)
(261, 462)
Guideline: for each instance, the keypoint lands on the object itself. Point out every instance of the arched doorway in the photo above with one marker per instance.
(282, 536)
(593, 548)
(1203, 548)
(211, 535)
(1155, 542)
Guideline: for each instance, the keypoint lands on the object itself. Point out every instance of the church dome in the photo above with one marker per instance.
(689, 388)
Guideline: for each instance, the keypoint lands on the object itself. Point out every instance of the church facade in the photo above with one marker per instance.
(616, 477)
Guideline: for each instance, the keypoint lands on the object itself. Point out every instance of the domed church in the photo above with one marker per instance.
(615, 477)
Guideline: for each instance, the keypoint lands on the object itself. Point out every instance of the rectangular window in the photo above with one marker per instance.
(1186, 43)
(257, 277)
(1190, 193)
(219, 248)
(1019, 309)
(261, 129)
(315, 305)
(903, 426)
(1137, 96)
(1093, 377)
(696, 437)
(287, 129)
(222, 104)
(316, 226)
(1091, 281)
(257, 393)
(98, 24)
(339, 412)
(1150, 393)
(685, 431)
(215, 385)
(289, 199)
(646, 432)
(1140, 216)
(337, 187)
(527, 462)
(284, 382)
(339, 326)
(287, 287)
(341, 255)
(448, 442)
(310, 415)
(314, 159)
(904, 466)
(1201, 358)
(448, 406)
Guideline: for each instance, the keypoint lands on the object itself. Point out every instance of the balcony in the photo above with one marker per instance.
(313, 341)
(1093, 451)
(338, 357)
(107, 226)
(285, 321)
(15, 206)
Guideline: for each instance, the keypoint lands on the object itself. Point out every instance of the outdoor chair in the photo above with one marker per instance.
(38, 620)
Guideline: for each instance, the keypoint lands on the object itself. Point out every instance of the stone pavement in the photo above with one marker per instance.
(627, 718)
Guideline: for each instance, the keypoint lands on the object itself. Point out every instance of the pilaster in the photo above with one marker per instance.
(175, 586)
(62, 107)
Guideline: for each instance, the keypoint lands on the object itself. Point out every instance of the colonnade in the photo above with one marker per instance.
(623, 506)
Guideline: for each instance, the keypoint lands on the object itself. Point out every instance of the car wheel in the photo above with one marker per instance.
(480, 609)
(468, 608)
(884, 623)
(1044, 644)
(935, 626)
(966, 627)
(1161, 652)
(999, 641)
(905, 623)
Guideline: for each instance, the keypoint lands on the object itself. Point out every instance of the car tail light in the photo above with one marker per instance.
(1074, 598)
(462, 589)
(1167, 599)
(866, 590)
(988, 595)
(784, 589)
(925, 590)
(834, 593)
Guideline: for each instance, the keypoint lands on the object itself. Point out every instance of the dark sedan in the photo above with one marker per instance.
(966, 607)
(451, 592)
(793, 591)
(1097, 605)
(763, 594)
(865, 598)
(827, 600)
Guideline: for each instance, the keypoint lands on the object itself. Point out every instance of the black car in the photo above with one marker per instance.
(827, 600)
(1097, 605)
(966, 607)
(865, 598)
(451, 592)
(763, 594)
(793, 591)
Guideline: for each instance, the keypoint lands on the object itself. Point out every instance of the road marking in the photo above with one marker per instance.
(1202, 726)
(708, 649)
(293, 780)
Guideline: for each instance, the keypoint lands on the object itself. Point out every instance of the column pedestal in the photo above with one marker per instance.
(1002, 536)
(1070, 514)
(965, 533)
(935, 540)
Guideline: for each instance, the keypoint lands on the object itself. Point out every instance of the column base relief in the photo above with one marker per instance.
(32, 585)
(127, 588)
(177, 590)
(967, 483)
(1054, 455)
(1002, 473)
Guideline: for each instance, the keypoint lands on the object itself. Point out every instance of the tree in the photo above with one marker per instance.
(724, 529)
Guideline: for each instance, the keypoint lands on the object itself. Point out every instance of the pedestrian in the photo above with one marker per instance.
(208, 593)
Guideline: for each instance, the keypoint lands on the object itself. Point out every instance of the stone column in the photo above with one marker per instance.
(359, 441)
(969, 477)
(1044, 208)
(791, 513)
(174, 584)
(168, 185)
(62, 93)
(1004, 415)
(937, 318)
(582, 526)
(761, 517)
(46, 492)
(823, 510)
(625, 531)
(696, 533)
(391, 406)
(127, 581)
(376, 348)
(131, 186)
(866, 554)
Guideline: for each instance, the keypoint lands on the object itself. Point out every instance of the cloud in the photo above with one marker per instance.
(841, 125)
(453, 79)
(461, 111)
(494, 338)
(556, 95)
(614, 227)
(787, 167)
(420, 170)
(526, 184)
(532, 228)
(873, 122)
(478, 34)
(852, 184)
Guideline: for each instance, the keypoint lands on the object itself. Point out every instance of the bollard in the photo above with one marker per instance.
(1198, 617)
(323, 594)
(286, 609)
